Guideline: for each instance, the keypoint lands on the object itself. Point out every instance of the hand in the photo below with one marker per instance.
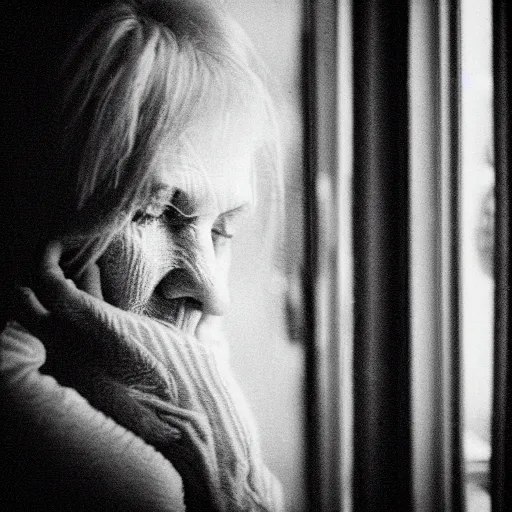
(163, 386)
(84, 350)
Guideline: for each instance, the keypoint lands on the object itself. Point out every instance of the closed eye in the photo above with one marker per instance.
(221, 233)
(226, 224)
(168, 212)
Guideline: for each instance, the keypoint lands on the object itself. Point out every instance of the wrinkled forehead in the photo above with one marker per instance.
(211, 163)
(214, 146)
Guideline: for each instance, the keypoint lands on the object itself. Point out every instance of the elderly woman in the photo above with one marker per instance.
(135, 128)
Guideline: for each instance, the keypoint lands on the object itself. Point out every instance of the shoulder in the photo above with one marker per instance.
(60, 453)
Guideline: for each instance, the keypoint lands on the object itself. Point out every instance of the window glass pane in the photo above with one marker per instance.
(477, 195)
(268, 362)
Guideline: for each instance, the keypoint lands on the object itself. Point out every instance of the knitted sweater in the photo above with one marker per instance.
(59, 441)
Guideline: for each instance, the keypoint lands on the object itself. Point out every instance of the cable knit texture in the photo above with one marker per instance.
(181, 393)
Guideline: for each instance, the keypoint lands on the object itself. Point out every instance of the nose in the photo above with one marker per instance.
(200, 275)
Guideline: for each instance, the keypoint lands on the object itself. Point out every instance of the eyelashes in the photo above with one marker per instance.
(223, 229)
(176, 219)
(223, 234)
(168, 212)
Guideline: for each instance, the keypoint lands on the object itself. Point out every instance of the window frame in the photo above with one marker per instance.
(377, 447)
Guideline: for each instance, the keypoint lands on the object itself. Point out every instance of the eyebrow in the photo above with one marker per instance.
(169, 191)
(238, 209)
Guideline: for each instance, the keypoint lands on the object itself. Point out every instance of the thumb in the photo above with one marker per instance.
(56, 292)
(51, 285)
(28, 311)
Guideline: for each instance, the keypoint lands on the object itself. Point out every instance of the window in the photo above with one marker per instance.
(398, 296)
(408, 287)
(477, 256)
(266, 361)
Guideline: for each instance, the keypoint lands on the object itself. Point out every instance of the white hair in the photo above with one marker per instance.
(141, 76)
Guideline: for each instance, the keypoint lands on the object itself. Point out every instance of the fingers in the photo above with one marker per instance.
(29, 312)
(57, 292)
(52, 287)
(90, 281)
(50, 263)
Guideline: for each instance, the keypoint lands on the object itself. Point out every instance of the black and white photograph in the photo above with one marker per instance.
(254, 256)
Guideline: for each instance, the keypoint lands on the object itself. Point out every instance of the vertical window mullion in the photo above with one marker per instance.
(346, 265)
(382, 436)
(501, 458)
(321, 273)
(435, 276)
(426, 305)
(449, 118)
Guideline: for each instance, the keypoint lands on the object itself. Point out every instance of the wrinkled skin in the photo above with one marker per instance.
(121, 374)
(169, 267)
(172, 262)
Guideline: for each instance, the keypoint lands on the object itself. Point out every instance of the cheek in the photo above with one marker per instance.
(133, 264)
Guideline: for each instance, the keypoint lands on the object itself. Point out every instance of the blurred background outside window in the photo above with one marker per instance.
(477, 222)
(268, 364)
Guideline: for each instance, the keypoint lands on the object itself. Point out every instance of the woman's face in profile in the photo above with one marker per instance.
(172, 261)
